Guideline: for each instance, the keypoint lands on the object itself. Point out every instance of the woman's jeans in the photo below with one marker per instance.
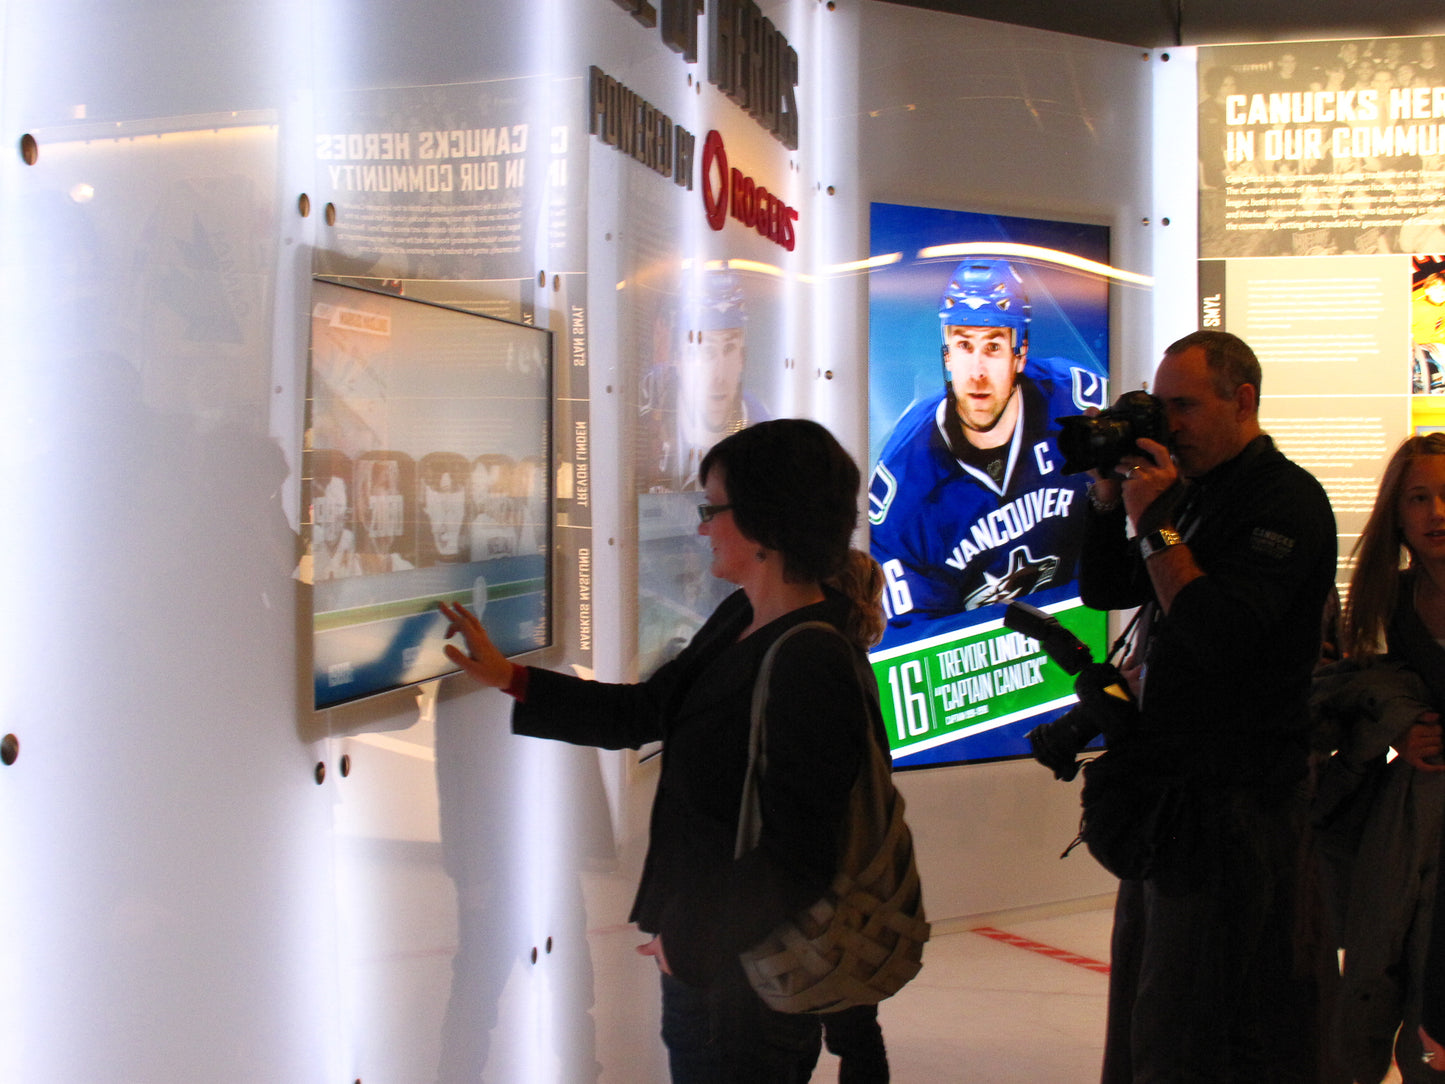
(724, 1035)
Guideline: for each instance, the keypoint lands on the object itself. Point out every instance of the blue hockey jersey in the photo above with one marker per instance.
(952, 539)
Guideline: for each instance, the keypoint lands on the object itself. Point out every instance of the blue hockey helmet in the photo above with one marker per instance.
(986, 293)
(715, 303)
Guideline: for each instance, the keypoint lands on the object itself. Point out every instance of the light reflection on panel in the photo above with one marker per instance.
(714, 323)
(461, 854)
(455, 160)
(162, 833)
(167, 858)
(396, 917)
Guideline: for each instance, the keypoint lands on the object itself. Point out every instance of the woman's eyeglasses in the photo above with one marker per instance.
(705, 512)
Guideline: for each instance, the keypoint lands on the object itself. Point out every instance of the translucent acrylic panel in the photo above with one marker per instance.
(462, 853)
(165, 843)
(205, 893)
(453, 156)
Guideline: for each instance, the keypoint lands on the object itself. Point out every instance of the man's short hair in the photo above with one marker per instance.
(1231, 361)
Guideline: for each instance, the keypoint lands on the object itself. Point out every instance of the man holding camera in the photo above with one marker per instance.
(1229, 548)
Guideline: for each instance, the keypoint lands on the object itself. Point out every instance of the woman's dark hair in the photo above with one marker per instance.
(793, 488)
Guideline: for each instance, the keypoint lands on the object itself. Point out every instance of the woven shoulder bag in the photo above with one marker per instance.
(863, 940)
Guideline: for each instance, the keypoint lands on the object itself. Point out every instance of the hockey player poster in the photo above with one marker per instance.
(983, 330)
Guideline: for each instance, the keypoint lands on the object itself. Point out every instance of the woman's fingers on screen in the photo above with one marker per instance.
(459, 618)
(479, 657)
(467, 662)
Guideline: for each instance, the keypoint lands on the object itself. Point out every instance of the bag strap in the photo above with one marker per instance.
(750, 813)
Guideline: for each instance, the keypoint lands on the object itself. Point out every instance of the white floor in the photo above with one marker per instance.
(1029, 1007)
(985, 1010)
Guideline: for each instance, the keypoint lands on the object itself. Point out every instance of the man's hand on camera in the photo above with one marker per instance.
(1152, 492)
(1105, 491)
(1146, 478)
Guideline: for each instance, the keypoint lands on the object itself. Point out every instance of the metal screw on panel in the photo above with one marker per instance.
(331, 214)
(29, 149)
(320, 773)
(303, 205)
(345, 765)
(9, 750)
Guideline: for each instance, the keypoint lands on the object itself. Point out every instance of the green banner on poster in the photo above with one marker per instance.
(976, 679)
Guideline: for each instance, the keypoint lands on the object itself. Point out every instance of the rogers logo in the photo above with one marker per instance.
(728, 192)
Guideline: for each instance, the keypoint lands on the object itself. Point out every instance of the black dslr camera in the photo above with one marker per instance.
(1105, 705)
(1099, 442)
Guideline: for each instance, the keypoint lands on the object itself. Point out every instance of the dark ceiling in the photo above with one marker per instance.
(1161, 23)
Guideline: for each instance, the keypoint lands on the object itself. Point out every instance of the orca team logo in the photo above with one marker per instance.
(1023, 577)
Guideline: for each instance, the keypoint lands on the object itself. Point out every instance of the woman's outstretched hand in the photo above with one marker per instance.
(481, 659)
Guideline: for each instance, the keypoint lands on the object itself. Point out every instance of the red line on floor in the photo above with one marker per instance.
(1062, 955)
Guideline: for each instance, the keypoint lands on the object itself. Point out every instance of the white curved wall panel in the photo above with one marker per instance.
(187, 901)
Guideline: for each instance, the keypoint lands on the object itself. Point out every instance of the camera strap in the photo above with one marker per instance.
(1124, 636)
